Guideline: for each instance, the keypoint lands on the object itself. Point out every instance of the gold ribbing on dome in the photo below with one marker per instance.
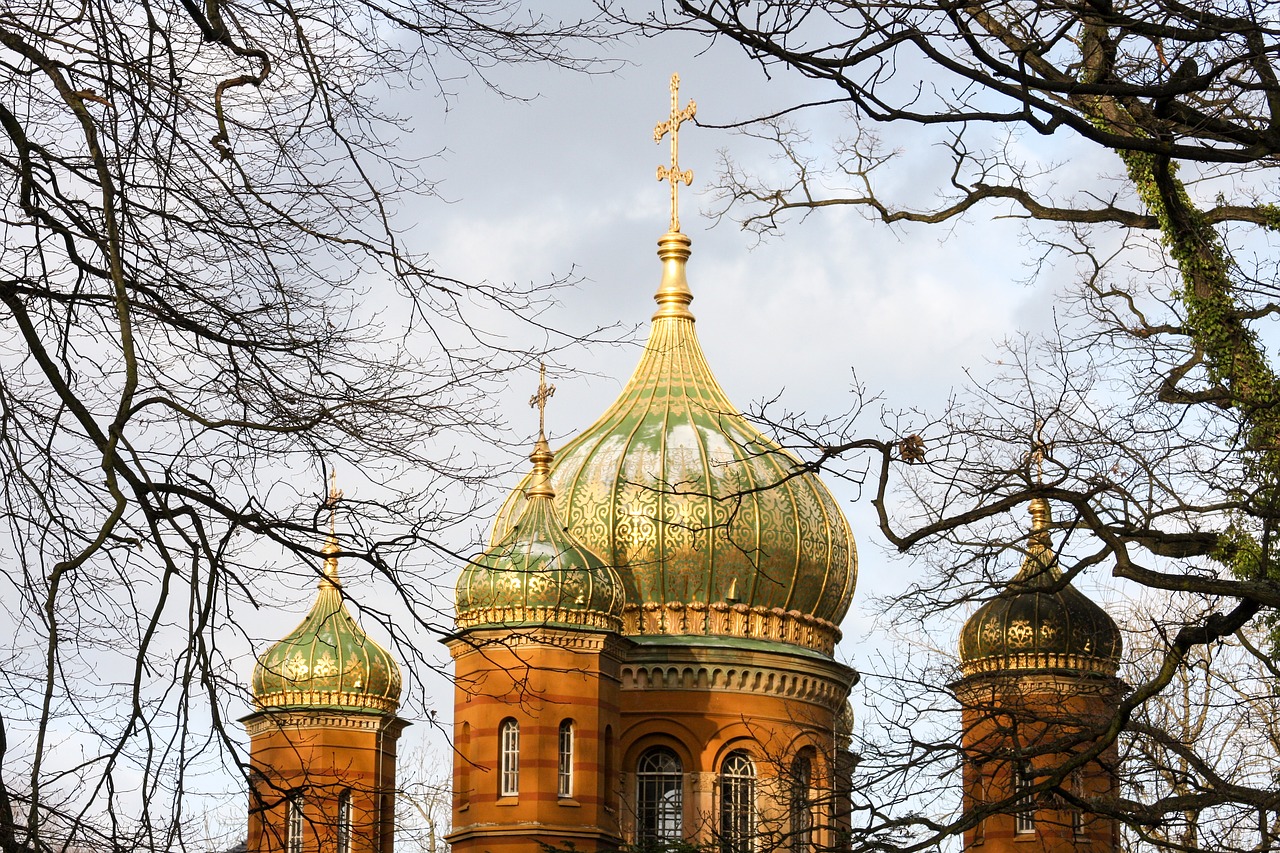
(330, 549)
(672, 173)
(540, 479)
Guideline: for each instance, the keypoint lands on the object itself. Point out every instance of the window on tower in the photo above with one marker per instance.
(659, 796)
(509, 764)
(344, 821)
(565, 764)
(293, 823)
(1077, 814)
(737, 803)
(801, 817)
(1024, 818)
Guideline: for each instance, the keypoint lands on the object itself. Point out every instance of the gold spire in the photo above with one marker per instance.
(672, 173)
(330, 549)
(1040, 562)
(540, 484)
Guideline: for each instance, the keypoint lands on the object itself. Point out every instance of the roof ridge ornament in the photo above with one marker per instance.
(672, 173)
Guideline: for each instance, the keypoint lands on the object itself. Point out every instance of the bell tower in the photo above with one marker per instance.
(322, 736)
(536, 658)
(1039, 688)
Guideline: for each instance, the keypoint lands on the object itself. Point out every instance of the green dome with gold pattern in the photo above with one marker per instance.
(328, 661)
(1039, 623)
(539, 574)
(714, 528)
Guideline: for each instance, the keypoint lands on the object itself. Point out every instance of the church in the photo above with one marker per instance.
(644, 655)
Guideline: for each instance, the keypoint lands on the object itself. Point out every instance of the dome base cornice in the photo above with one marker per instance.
(731, 620)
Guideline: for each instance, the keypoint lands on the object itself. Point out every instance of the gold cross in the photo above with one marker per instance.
(672, 125)
(545, 392)
(335, 495)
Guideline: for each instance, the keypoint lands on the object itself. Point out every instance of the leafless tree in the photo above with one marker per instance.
(198, 261)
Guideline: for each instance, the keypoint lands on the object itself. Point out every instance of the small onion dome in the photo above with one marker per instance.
(696, 508)
(539, 573)
(1039, 622)
(328, 661)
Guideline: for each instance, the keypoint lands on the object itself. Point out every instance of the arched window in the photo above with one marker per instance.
(1024, 818)
(463, 785)
(293, 823)
(509, 764)
(565, 765)
(801, 816)
(737, 803)
(344, 821)
(659, 796)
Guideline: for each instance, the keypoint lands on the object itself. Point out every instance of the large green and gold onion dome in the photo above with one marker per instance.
(1040, 623)
(328, 661)
(714, 528)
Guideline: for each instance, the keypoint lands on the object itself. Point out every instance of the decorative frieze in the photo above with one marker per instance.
(731, 620)
(814, 687)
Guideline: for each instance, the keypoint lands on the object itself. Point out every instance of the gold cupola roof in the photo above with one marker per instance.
(538, 573)
(714, 528)
(1040, 623)
(328, 661)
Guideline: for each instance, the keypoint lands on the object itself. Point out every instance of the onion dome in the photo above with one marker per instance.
(1040, 622)
(714, 528)
(328, 661)
(539, 573)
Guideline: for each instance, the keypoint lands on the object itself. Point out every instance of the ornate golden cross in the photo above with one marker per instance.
(545, 392)
(335, 495)
(672, 125)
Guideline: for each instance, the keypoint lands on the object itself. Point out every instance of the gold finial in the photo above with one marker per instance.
(1041, 516)
(540, 482)
(330, 549)
(672, 126)
(539, 400)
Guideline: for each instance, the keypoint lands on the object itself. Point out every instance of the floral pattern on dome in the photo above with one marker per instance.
(539, 574)
(1040, 622)
(302, 670)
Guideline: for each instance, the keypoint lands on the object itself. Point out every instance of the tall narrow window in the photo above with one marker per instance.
(509, 771)
(344, 821)
(293, 823)
(659, 796)
(1077, 813)
(737, 804)
(565, 766)
(1024, 819)
(801, 818)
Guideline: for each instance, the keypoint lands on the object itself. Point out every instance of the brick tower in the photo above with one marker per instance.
(536, 671)
(322, 746)
(1039, 689)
